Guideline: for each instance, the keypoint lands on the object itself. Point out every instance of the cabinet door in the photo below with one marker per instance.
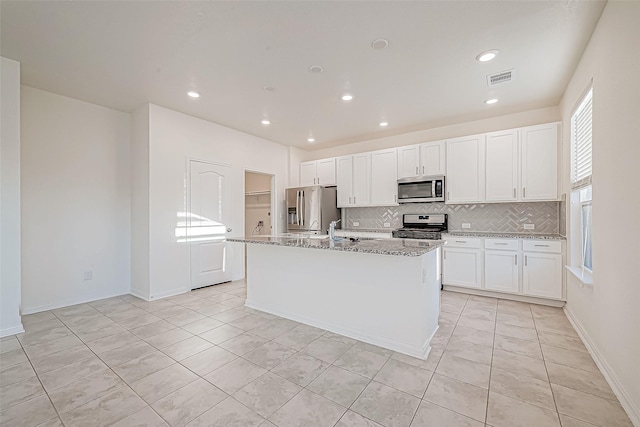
(465, 170)
(539, 162)
(432, 158)
(307, 174)
(326, 170)
(384, 182)
(408, 161)
(344, 181)
(501, 171)
(501, 271)
(542, 275)
(361, 179)
(462, 267)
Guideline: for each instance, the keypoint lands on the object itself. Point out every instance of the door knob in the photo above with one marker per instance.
(229, 229)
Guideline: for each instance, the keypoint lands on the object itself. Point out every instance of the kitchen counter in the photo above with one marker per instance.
(503, 235)
(396, 247)
(384, 292)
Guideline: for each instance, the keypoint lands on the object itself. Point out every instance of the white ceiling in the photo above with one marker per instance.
(122, 54)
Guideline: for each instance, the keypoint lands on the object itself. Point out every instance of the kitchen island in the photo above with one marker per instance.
(385, 292)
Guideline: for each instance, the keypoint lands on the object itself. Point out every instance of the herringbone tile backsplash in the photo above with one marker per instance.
(491, 217)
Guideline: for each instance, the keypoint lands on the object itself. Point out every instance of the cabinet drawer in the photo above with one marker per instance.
(554, 246)
(504, 244)
(464, 242)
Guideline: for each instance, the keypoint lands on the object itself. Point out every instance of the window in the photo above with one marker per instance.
(581, 194)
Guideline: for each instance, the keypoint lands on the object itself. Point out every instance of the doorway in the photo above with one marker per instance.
(258, 208)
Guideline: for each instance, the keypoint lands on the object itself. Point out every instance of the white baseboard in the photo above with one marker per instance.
(504, 295)
(631, 407)
(18, 329)
(141, 295)
(68, 302)
(167, 294)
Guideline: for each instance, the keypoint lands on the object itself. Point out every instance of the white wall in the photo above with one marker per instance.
(140, 202)
(10, 276)
(510, 121)
(75, 201)
(173, 138)
(608, 313)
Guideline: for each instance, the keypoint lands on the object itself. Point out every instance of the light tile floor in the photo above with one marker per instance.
(203, 359)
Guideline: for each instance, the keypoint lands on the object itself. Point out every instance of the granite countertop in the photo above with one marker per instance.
(504, 235)
(397, 247)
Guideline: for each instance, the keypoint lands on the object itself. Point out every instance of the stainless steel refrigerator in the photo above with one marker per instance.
(311, 209)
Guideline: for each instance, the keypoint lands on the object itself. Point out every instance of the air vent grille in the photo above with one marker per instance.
(503, 77)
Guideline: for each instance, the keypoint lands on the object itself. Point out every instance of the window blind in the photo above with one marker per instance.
(581, 141)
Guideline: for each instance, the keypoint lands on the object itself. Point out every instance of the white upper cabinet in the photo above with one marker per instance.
(432, 158)
(465, 170)
(501, 171)
(353, 176)
(539, 162)
(384, 187)
(361, 179)
(318, 172)
(344, 178)
(408, 161)
(421, 160)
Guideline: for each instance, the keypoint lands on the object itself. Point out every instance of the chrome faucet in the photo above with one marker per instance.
(332, 229)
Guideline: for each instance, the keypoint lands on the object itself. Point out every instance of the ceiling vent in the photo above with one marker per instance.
(499, 78)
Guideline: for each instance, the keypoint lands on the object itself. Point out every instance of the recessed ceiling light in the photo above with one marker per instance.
(347, 97)
(265, 122)
(316, 69)
(378, 44)
(491, 101)
(311, 140)
(193, 94)
(269, 88)
(487, 55)
(384, 124)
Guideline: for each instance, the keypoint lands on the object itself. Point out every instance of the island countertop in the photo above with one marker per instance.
(503, 235)
(396, 247)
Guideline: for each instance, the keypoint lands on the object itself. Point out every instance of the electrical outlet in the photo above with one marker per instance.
(529, 226)
(88, 275)
(356, 224)
(386, 225)
(466, 225)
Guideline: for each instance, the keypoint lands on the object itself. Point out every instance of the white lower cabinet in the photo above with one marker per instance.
(462, 267)
(501, 271)
(542, 275)
(526, 267)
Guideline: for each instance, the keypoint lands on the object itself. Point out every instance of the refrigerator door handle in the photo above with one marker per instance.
(304, 208)
(298, 208)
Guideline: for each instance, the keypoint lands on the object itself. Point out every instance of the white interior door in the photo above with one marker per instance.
(209, 221)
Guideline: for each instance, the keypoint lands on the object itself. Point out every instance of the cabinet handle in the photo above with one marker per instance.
(525, 260)
(354, 200)
(349, 200)
(318, 180)
(448, 196)
(395, 198)
(497, 243)
(423, 170)
(461, 241)
(516, 259)
(514, 192)
(444, 255)
(542, 246)
(416, 170)
(524, 192)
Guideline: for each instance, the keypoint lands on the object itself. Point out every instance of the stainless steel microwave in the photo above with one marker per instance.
(421, 189)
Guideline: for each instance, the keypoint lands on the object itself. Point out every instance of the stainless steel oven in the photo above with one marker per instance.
(421, 189)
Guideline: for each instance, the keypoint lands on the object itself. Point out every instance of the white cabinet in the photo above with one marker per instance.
(422, 160)
(542, 269)
(526, 267)
(462, 267)
(501, 166)
(409, 161)
(432, 158)
(501, 265)
(465, 170)
(352, 178)
(318, 172)
(384, 187)
(462, 262)
(539, 162)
